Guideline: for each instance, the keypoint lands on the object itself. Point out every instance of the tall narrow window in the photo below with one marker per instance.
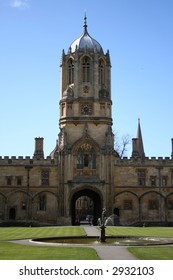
(86, 160)
(9, 181)
(101, 72)
(86, 69)
(93, 159)
(19, 181)
(153, 181)
(80, 160)
(70, 72)
(42, 202)
(45, 178)
(141, 178)
(164, 181)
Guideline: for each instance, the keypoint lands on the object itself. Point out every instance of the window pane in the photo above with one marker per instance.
(86, 69)
(45, 178)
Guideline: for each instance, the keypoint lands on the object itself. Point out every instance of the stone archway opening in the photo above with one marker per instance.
(117, 212)
(12, 214)
(85, 203)
(84, 209)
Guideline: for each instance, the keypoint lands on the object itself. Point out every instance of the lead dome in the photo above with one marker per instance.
(85, 41)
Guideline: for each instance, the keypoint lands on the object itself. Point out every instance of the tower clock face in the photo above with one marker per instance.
(86, 109)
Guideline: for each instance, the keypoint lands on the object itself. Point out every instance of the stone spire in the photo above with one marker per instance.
(140, 141)
(138, 147)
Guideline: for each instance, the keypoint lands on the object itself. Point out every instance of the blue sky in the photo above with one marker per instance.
(139, 36)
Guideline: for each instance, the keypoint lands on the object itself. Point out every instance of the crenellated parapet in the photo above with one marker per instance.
(144, 161)
(13, 160)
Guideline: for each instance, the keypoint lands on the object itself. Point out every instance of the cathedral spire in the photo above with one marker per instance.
(140, 141)
(138, 147)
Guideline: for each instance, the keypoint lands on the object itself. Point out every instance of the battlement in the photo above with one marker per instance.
(13, 160)
(145, 161)
(147, 158)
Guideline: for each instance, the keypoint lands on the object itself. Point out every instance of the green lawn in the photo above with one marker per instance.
(152, 253)
(14, 233)
(12, 251)
(141, 231)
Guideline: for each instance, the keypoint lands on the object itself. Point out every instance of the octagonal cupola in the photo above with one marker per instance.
(85, 41)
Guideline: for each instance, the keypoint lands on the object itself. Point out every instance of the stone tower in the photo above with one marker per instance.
(85, 144)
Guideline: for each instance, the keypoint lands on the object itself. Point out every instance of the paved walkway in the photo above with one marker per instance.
(108, 252)
(104, 252)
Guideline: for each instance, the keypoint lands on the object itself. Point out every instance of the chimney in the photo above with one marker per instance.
(39, 153)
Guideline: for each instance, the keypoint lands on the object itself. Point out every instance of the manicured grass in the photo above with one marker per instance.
(152, 253)
(12, 251)
(14, 233)
(141, 231)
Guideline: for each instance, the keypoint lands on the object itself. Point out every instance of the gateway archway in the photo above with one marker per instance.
(12, 214)
(95, 200)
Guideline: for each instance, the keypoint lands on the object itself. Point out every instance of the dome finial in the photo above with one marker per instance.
(85, 22)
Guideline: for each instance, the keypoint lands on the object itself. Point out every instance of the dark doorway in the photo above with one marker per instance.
(12, 214)
(84, 209)
(116, 216)
(117, 211)
(94, 209)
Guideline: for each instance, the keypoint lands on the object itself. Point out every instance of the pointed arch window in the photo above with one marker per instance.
(41, 202)
(101, 72)
(93, 159)
(86, 69)
(86, 157)
(80, 159)
(70, 71)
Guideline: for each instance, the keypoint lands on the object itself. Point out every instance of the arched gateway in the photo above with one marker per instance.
(90, 205)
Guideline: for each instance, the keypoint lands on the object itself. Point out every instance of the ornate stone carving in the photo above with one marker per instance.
(68, 92)
(86, 89)
(62, 139)
(109, 140)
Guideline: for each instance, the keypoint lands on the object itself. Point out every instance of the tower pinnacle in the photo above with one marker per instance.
(85, 22)
(138, 148)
